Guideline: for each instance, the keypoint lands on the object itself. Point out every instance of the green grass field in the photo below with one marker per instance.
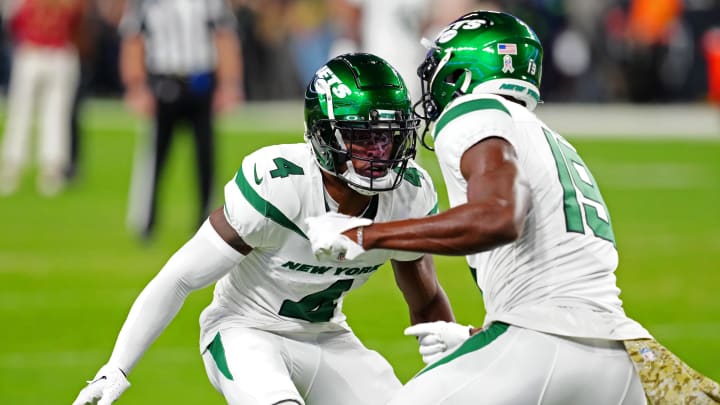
(69, 269)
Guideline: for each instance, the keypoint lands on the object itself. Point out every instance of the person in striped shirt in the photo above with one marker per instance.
(180, 64)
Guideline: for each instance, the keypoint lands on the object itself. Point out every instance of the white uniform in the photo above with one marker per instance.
(275, 329)
(552, 303)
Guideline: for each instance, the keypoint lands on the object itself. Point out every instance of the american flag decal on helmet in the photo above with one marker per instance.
(507, 49)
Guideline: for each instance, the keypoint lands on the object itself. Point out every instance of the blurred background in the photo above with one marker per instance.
(637, 51)
(634, 84)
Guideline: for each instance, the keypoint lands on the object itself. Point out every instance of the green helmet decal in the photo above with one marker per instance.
(359, 122)
(482, 52)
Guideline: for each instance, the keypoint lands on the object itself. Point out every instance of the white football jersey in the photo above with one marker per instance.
(280, 286)
(558, 276)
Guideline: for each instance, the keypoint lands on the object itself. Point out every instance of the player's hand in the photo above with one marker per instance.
(438, 339)
(325, 233)
(107, 386)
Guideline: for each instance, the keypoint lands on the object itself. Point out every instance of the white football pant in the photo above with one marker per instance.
(48, 76)
(266, 368)
(522, 366)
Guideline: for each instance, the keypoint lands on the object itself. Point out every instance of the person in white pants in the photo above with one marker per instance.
(45, 71)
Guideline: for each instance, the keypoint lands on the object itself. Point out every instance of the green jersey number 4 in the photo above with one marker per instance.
(583, 204)
(316, 307)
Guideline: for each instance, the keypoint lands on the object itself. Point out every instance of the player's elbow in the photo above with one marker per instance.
(505, 228)
(499, 226)
(506, 219)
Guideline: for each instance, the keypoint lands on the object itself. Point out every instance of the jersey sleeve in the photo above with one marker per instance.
(467, 121)
(253, 202)
(240, 213)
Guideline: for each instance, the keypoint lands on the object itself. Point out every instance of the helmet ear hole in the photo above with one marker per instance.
(453, 77)
(460, 80)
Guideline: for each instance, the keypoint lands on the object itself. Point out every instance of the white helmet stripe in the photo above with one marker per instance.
(440, 65)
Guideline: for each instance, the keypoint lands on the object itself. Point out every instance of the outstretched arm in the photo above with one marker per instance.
(204, 259)
(210, 254)
(497, 204)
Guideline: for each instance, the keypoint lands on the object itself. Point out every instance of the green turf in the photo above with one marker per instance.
(69, 269)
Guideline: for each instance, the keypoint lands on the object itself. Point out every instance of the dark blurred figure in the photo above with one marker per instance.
(312, 33)
(703, 20)
(98, 48)
(711, 47)
(263, 29)
(180, 63)
(86, 39)
(647, 31)
(45, 69)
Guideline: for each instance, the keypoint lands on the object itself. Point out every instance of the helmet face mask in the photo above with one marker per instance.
(359, 122)
(481, 52)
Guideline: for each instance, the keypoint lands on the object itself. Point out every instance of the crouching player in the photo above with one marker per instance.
(275, 332)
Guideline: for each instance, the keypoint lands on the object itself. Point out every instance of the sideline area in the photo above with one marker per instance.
(646, 121)
(690, 121)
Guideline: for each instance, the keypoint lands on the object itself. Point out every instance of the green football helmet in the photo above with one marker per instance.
(481, 52)
(359, 122)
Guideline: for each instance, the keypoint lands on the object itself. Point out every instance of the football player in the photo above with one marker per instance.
(275, 332)
(528, 214)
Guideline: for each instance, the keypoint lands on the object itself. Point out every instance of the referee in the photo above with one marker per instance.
(180, 63)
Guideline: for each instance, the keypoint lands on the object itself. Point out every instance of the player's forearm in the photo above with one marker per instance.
(204, 259)
(425, 297)
(437, 309)
(152, 311)
(466, 229)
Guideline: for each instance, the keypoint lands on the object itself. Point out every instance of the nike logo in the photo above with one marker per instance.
(258, 180)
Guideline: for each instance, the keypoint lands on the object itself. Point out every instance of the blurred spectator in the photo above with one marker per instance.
(597, 51)
(45, 69)
(311, 36)
(646, 33)
(711, 47)
(702, 18)
(443, 12)
(85, 37)
(271, 72)
(180, 63)
(391, 30)
(106, 75)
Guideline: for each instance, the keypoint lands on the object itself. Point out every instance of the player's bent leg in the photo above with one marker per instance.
(593, 371)
(248, 367)
(347, 373)
(491, 366)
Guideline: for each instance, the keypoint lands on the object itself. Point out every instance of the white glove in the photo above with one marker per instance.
(325, 235)
(438, 339)
(107, 386)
